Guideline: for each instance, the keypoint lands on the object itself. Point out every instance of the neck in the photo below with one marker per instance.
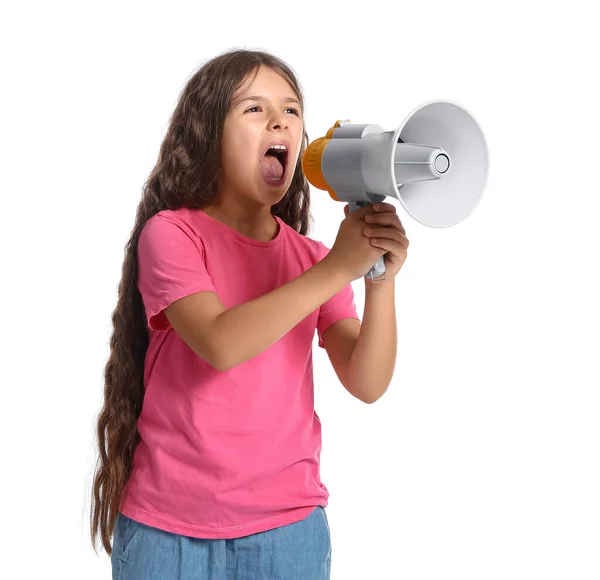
(247, 217)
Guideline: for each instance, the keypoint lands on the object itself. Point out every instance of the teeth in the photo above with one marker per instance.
(282, 147)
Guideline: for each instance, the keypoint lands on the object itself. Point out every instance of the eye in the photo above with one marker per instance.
(257, 108)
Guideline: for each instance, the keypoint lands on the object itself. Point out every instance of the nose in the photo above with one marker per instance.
(278, 121)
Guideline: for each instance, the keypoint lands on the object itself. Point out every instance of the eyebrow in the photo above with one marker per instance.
(257, 98)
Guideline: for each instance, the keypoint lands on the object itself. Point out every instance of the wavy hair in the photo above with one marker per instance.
(185, 175)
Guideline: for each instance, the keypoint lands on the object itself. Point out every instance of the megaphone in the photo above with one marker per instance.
(436, 164)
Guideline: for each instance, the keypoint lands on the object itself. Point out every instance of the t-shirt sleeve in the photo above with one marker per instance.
(338, 307)
(171, 265)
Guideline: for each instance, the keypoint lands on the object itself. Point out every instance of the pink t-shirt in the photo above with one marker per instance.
(233, 453)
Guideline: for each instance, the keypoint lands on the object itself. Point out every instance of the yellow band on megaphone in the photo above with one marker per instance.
(311, 162)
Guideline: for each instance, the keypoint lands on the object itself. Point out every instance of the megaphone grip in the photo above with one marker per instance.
(379, 268)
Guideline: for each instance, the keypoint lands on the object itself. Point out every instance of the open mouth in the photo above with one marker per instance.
(274, 163)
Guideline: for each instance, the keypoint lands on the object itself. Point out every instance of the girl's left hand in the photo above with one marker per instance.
(386, 231)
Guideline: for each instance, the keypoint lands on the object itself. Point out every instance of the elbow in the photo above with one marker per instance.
(371, 395)
(219, 363)
(212, 357)
(370, 401)
(217, 366)
(223, 360)
(222, 353)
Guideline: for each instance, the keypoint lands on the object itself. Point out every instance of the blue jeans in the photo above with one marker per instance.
(298, 551)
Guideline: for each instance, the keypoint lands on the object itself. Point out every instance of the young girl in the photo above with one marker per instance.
(209, 443)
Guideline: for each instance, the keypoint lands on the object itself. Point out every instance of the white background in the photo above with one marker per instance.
(482, 459)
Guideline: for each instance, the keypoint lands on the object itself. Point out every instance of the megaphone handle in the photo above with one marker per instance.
(379, 268)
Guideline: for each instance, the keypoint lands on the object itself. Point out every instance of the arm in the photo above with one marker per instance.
(364, 356)
(227, 338)
(373, 359)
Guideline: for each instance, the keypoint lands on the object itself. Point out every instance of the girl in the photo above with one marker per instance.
(208, 439)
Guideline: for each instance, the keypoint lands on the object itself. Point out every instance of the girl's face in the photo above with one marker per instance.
(263, 114)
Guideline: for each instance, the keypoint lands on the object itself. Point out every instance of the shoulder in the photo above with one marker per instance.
(180, 217)
(169, 233)
(176, 222)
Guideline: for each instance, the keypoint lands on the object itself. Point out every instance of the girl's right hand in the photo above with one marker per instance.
(352, 251)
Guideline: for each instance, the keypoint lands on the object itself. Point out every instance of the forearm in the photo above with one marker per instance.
(373, 359)
(246, 330)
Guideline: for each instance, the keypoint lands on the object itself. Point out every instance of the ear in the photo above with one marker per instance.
(346, 210)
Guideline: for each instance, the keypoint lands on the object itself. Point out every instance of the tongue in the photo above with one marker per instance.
(271, 167)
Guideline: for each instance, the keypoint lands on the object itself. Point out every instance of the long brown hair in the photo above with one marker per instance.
(185, 175)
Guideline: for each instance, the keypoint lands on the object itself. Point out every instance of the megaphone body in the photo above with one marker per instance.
(435, 164)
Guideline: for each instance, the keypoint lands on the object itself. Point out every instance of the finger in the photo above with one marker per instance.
(384, 207)
(359, 211)
(384, 216)
(385, 219)
(387, 233)
(397, 252)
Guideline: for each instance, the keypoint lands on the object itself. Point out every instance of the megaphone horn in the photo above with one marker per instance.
(436, 164)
